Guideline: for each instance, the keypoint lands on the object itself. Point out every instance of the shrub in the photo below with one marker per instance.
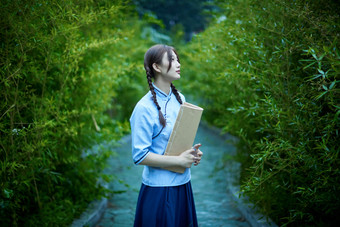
(269, 72)
(62, 75)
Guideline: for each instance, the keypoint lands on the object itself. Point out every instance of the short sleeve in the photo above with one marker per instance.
(141, 122)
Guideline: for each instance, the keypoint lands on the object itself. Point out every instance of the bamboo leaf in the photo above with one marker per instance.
(320, 96)
(325, 87)
(309, 65)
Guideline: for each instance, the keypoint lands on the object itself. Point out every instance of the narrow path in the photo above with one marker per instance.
(214, 206)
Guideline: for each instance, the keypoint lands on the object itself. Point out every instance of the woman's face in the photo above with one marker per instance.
(174, 71)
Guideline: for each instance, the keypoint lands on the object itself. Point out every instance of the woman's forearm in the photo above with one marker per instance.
(185, 159)
(162, 161)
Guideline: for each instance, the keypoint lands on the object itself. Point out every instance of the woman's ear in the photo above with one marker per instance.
(155, 67)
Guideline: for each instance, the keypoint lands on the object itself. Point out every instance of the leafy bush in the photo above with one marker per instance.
(268, 72)
(64, 74)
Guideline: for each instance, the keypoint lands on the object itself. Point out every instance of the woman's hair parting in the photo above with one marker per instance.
(155, 55)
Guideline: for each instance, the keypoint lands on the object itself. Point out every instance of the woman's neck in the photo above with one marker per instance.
(163, 85)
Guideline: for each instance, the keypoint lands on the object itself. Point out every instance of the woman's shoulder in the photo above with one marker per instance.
(146, 104)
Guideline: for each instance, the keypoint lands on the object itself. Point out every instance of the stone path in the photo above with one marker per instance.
(214, 206)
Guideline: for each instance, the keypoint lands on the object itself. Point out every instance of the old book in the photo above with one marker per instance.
(184, 132)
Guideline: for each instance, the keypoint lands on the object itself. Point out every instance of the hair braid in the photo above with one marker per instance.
(154, 98)
(175, 91)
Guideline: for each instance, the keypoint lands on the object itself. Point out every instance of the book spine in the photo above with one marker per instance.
(173, 134)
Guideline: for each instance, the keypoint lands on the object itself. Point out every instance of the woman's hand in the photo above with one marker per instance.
(193, 155)
(186, 159)
(198, 153)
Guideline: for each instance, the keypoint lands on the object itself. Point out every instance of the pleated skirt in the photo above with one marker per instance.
(166, 207)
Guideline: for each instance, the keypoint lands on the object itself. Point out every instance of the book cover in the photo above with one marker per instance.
(184, 132)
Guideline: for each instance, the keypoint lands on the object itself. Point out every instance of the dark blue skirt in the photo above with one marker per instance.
(166, 207)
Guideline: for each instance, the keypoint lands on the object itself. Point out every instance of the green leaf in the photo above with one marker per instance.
(314, 77)
(319, 96)
(325, 87)
(309, 65)
(322, 72)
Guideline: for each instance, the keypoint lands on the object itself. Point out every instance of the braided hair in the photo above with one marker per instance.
(155, 55)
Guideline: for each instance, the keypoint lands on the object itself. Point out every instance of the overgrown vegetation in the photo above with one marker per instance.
(64, 72)
(268, 72)
(265, 71)
(185, 16)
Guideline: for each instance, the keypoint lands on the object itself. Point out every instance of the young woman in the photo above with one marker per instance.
(165, 198)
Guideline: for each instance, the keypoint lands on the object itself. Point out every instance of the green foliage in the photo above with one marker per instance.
(268, 72)
(64, 75)
(191, 14)
(71, 72)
